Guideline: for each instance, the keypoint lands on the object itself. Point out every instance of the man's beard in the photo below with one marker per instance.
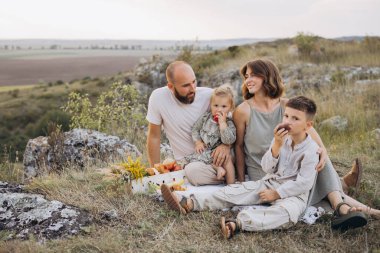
(184, 99)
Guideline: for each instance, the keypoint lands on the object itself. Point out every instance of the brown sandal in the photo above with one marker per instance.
(228, 230)
(350, 220)
(172, 200)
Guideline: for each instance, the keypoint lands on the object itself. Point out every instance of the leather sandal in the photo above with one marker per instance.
(350, 220)
(172, 200)
(228, 231)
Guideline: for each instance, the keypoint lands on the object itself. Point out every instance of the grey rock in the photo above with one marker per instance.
(25, 214)
(228, 76)
(151, 72)
(361, 73)
(376, 134)
(166, 151)
(68, 213)
(110, 215)
(367, 82)
(335, 123)
(80, 147)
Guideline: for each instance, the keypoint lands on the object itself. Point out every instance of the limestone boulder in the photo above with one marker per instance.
(78, 147)
(337, 123)
(24, 214)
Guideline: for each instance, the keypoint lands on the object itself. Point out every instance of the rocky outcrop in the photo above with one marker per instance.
(24, 214)
(166, 151)
(335, 123)
(151, 72)
(79, 147)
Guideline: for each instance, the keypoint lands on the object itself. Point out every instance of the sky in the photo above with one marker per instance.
(186, 19)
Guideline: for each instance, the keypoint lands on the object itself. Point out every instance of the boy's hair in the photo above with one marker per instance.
(268, 71)
(224, 90)
(304, 104)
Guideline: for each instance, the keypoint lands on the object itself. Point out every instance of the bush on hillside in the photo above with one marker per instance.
(119, 111)
(372, 44)
(54, 116)
(186, 54)
(307, 44)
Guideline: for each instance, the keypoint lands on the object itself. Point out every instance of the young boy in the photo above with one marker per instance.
(290, 166)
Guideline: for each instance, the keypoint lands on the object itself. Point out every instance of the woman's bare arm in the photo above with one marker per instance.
(240, 117)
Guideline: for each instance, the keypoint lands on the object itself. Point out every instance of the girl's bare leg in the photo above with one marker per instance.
(230, 171)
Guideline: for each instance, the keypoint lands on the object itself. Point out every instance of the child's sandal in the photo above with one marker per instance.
(228, 230)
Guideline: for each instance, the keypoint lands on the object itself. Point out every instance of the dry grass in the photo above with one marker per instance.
(147, 225)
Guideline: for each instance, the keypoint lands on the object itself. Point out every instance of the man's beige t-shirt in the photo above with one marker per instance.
(177, 118)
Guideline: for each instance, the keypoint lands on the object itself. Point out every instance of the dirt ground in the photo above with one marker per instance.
(32, 71)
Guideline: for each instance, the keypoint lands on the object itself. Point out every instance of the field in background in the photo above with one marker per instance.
(25, 67)
(12, 87)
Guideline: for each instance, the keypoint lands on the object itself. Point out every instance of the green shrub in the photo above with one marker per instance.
(186, 54)
(371, 44)
(119, 111)
(54, 116)
(233, 50)
(14, 93)
(306, 43)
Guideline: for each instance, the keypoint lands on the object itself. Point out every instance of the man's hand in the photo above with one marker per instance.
(199, 147)
(268, 196)
(221, 154)
(322, 159)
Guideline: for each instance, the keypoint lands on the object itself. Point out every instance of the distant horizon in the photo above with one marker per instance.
(195, 39)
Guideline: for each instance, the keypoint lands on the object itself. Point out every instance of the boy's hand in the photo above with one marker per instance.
(199, 147)
(268, 196)
(279, 139)
(280, 135)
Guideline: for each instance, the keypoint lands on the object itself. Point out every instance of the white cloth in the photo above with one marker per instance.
(177, 118)
(312, 214)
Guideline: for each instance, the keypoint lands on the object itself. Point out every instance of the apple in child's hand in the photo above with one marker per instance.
(216, 118)
(285, 126)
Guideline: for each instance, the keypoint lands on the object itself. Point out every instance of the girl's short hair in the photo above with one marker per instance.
(224, 90)
(268, 71)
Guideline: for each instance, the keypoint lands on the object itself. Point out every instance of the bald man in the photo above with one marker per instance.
(176, 107)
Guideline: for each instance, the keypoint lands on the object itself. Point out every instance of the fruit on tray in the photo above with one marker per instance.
(177, 187)
(150, 171)
(168, 165)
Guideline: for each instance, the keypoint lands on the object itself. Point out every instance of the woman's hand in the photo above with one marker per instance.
(199, 147)
(322, 159)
